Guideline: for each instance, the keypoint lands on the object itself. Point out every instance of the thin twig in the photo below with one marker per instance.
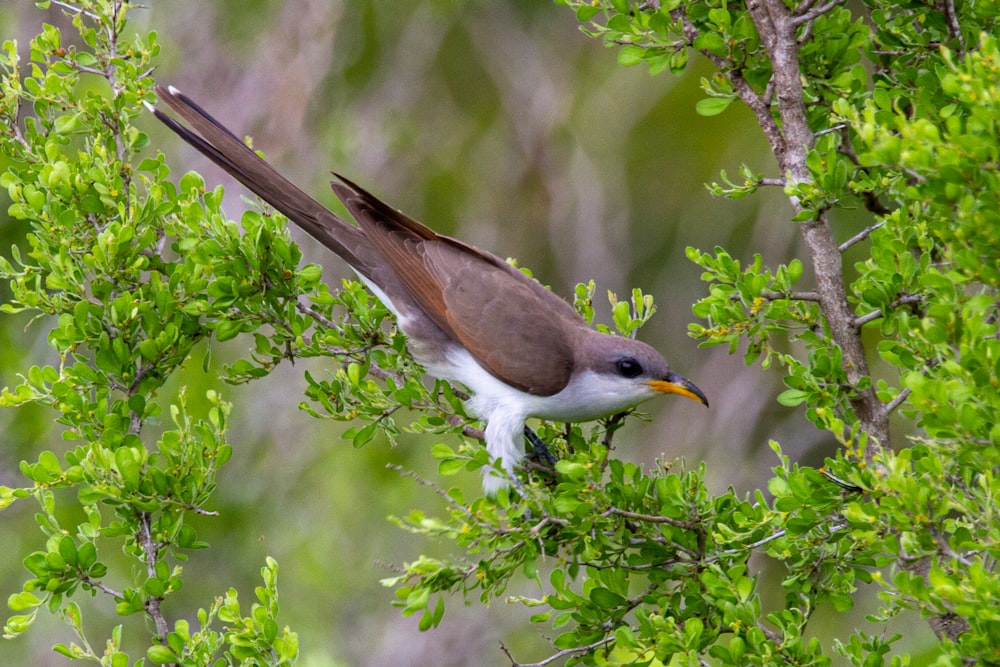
(944, 549)
(431, 485)
(152, 551)
(468, 430)
(793, 296)
(99, 585)
(809, 14)
(611, 425)
(831, 130)
(759, 543)
(659, 565)
(948, 9)
(75, 9)
(771, 635)
(648, 518)
(897, 401)
(203, 512)
(576, 650)
(316, 315)
(915, 175)
(804, 6)
(83, 68)
(876, 314)
(860, 236)
(781, 296)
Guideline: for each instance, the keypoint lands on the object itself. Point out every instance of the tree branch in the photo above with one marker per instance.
(777, 27)
(954, 28)
(152, 551)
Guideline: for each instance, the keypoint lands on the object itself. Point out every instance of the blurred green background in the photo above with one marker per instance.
(497, 122)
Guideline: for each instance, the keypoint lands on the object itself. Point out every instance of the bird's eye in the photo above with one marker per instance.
(629, 367)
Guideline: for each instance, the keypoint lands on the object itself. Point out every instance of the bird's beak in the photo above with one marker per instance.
(675, 384)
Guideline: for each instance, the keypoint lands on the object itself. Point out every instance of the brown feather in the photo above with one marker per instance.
(457, 286)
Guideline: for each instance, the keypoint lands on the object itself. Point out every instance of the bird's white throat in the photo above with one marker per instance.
(588, 396)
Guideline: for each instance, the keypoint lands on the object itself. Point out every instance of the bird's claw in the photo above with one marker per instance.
(539, 452)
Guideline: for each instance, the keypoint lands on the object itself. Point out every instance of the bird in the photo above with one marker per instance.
(468, 316)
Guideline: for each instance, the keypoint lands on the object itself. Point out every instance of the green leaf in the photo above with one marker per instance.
(7, 496)
(711, 42)
(227, 330)
(67, 124)
(18, 624)
(128, 467)
(160, 655)
(365, 435)
(451, 467)
(712, 106)
(439, 450)
(606, 599)
(630, 55)
(842, 602)
(67, 550)
(22, 601)
(794, 270)
(793, 397)
(571, 469)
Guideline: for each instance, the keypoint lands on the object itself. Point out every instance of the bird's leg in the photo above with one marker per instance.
(539, 452)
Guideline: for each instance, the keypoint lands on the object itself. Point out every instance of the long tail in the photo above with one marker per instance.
(223, 148)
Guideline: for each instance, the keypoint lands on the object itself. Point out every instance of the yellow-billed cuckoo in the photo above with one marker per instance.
(468, 315)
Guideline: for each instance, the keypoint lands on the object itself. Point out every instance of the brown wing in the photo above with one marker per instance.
(490, 308)
(501, 320)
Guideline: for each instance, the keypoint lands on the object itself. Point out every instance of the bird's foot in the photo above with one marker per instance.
(539, 452)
